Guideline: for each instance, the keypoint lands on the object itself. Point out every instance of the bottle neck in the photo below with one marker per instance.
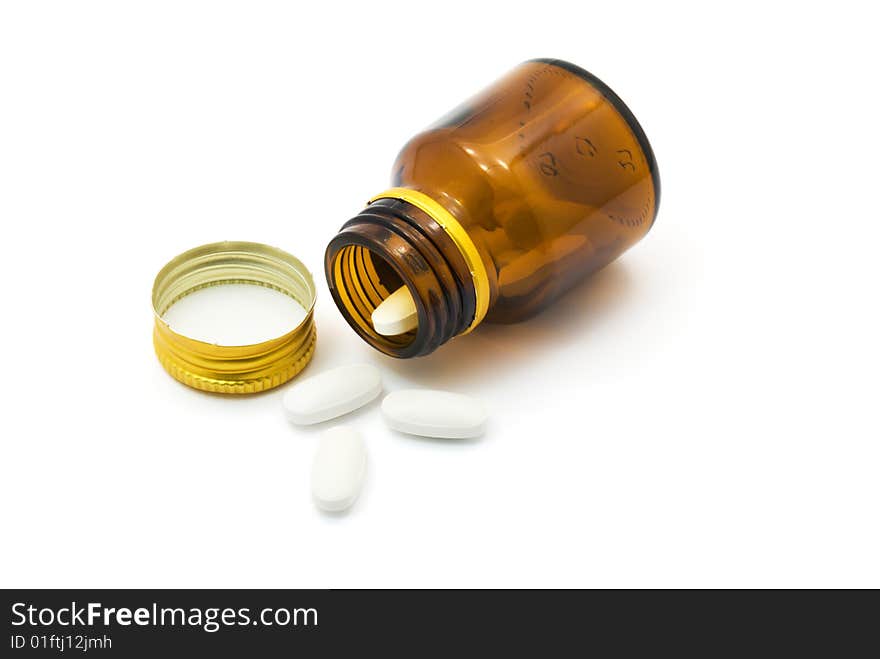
(394, 243)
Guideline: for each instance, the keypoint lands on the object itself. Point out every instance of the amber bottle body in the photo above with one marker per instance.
(548, 174)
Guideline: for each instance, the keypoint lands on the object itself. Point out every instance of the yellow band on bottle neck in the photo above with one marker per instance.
(459, 236)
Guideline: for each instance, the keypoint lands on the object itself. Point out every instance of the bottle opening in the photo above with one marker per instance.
(393, 244)
(363, 280)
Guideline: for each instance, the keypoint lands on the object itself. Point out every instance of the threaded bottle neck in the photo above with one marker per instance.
(390, 244)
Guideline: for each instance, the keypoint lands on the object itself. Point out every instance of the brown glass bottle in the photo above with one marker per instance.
(499, 208)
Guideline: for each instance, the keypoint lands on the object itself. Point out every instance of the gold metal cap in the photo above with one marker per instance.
(234, 369)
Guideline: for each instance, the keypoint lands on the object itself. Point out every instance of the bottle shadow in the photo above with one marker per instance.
(495, 351)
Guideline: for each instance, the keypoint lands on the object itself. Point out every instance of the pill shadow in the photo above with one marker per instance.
(353, 418)
(438, 441)
(495, 350)
(334, 516)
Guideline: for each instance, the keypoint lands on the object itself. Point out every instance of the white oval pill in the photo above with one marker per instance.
(332, 393)
(434, 413)
(338, 469)
(396, 315)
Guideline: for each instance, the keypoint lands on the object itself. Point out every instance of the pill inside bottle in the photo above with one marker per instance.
(396, 314)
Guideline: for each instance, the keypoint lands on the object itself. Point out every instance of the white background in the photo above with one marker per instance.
(701, 413)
